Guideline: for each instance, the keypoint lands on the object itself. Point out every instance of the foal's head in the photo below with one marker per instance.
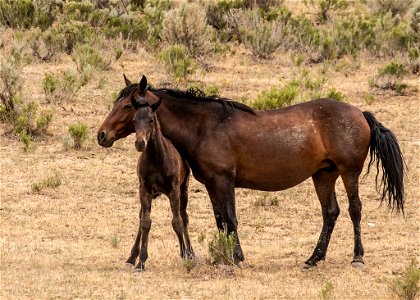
(144, 120)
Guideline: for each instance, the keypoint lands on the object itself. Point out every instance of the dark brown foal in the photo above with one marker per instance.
(160, 170)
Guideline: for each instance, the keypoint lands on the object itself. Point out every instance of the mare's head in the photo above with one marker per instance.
(119, 123)
(144, 120)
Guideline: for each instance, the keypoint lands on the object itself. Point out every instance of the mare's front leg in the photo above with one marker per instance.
(222, 195)
(189, 252)
(145, 225)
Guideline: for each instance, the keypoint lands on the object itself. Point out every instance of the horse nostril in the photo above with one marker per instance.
(101, 136)
(140, 145)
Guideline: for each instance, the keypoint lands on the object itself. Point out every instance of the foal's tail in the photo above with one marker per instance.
(384, 148)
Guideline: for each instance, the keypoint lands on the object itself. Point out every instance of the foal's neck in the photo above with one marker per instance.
(157, 145)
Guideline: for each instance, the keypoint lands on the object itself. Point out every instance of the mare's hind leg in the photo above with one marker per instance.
(145, 225)
(222, 196)
(177, 224)
(189, 252)
(351, 183)
(135, 250)
(324, 181)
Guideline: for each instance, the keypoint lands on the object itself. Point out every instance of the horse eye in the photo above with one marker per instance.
(127, 107)
(151, 121)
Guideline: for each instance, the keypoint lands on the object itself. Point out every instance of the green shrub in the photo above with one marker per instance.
(24, 14)
(223, 16)
(154, 11)
(395, 7)
(115, 241)
(78, 10)
(388, 77)
(79, 134)
(211, 90)
(10, 88)
(50, 84)
(45, 45)
(72, 33)
(277, 97)
(407, 287)
(327, 291)
(131, 27)
(262, 37)
(25, 119)
(186, 25)
(266, 200)
(414, 60)
(336, 95)
(394, 69)
(221, 248)
(325, 6)
(62, 86)
(392, 35)
(189, 264)
(43, 122)
(69, 82)
(26, 140)
(53, 181)
(177, 62)
(87, 57)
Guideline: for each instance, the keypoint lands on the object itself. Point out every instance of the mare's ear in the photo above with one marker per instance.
(155, 106)
(127, 81)
(143, 84)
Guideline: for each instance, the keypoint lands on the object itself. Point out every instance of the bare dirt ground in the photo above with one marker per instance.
(72, 241)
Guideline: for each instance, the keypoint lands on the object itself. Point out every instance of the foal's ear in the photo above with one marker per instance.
(134, 102)
(155, 106)
(127, 81)
(143, 84)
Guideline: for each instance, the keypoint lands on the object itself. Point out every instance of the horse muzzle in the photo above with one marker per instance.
(104, 140)
(140, 145)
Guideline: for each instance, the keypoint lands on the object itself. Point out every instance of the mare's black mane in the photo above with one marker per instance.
(193, 94)
(125, 92)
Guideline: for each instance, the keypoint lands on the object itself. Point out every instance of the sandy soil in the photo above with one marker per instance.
(72, 241)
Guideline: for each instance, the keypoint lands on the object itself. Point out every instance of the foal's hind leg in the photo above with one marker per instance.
(177, 224)
(351, 183)
(189, 252)
(324, 181)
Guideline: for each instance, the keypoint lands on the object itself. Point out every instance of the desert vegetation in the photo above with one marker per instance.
(69, 208)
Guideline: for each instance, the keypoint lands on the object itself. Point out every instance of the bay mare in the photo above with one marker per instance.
(228, 145)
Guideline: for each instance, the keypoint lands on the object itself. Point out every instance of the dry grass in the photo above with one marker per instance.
(72, 241)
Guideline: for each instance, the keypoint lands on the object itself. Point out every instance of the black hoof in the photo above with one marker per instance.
(131, 261)
(139, 268)
(306, 266)
(358, 264)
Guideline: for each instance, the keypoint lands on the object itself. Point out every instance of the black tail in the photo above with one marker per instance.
(384, 148)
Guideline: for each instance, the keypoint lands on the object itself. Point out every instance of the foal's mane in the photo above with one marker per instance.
(192, 94)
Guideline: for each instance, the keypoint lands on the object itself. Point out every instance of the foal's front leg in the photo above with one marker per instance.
(145, 225)
(135, 250)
